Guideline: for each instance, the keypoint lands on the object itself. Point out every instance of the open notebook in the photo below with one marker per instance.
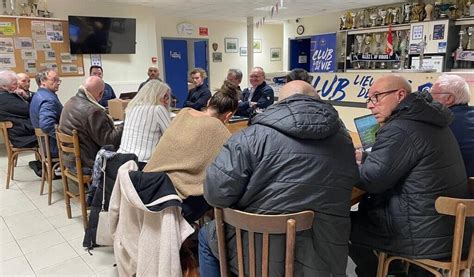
(366, 126)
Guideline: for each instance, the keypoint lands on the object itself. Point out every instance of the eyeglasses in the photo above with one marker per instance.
(55, 80)
(375, 98)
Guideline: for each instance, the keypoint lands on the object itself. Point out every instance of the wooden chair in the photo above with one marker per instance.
(48, 164)
(12, 152)
(460, 208)
(267, 225)
(70, 145)
(470, 181)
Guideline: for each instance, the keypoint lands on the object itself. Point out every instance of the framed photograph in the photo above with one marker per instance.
(275, 54)
(257, 46)
(231, 45)
(243, 51)
(217, 57)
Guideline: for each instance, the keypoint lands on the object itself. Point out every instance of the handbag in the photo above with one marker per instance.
(103, 236)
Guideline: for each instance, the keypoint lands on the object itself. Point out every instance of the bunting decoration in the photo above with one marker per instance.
(389, 44)
(274, 11)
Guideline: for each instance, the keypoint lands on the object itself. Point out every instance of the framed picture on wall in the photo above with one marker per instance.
(217, 57)
(231, 45)
(275, 54)
(243, 51)
(257, 46)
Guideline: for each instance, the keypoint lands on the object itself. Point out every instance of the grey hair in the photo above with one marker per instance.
(42, 75)
(455, 86)
(6, 78)
(150, 94)
(237, 72)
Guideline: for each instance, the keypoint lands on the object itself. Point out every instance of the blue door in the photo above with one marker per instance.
(200, 56)
(175, 55)
(300, 51)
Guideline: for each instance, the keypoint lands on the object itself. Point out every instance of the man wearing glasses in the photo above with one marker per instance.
(453, 92)
(45, 107)
(415, 159)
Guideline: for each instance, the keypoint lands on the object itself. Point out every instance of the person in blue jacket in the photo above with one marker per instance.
(453, 92)
(45, 107)
(258, 96)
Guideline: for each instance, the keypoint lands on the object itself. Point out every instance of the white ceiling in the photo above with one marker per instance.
(238, 10)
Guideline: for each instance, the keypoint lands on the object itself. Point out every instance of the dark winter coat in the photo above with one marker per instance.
(263, 96)
(295, 156)
(13, 108)
(415, 160)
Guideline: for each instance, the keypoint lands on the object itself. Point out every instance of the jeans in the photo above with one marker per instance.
(208, 263)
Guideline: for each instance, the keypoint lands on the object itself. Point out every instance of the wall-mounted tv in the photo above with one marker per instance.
(102, 35)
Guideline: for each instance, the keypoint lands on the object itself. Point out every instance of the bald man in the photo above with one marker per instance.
(153, 74)
(415, 159)
(23, 89)
(295, 156)
(95, 128)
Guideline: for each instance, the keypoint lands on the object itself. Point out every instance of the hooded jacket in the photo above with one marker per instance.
(415, 159)
(295, 156)
(141, 204)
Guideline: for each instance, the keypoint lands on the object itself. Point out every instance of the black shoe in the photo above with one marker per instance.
(36, 166)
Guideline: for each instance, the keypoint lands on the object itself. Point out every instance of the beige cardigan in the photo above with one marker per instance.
(141, 245)
(186, 149)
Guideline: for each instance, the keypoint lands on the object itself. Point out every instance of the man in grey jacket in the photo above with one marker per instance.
(295, 156)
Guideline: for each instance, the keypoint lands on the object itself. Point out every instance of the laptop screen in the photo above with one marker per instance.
(366, 126)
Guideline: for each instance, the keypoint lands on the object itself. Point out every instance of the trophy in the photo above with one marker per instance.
(33, 4)
(429, 12)
(360, 40)
(378, 43)
(417, 13)
(467, 7)
(343, 22)
(12, 7)
(395, 12)
(383, 15)
(354, 19)
(362, 19)
(367, 42)
(421, 48)
(453, 8)
(443, 8)
(4, 5)
(469, 38)
(461, 35)
(373, 17)
(46, 13)
(406, 13)
(23, 9)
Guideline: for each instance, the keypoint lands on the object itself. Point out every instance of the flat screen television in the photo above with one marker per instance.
(102, 35)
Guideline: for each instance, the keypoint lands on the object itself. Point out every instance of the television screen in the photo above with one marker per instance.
(101, 35)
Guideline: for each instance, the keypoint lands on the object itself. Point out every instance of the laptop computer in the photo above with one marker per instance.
(366, 126)
(128, 95)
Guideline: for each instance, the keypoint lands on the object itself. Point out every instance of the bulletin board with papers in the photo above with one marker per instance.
(30, 44)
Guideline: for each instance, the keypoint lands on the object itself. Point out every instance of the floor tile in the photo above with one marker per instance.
(23, 218)
(5, 236)
(56, 254)
(109, 273)
(72, 231)
(61, 220)
(76, 244)
(32, 228)
(16, 209)
(10, 250)
(74, 267)
(41, 241)
(101, 260)
(16, 267)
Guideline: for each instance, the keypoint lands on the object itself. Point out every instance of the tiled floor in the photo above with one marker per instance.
(39, 240)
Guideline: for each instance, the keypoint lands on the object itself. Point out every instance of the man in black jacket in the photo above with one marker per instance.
(415, 159)
(198, 96)
(15, 109)
(258, 96)
(295, 156)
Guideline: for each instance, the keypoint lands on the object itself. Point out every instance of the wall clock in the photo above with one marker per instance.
(300, 30)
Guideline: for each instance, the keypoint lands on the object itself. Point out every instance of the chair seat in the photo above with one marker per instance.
(72, 175)
(14, 149)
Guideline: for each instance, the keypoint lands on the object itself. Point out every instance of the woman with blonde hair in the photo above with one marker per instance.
(147, 117)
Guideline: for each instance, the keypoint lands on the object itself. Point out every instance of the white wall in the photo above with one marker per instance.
(125, 72)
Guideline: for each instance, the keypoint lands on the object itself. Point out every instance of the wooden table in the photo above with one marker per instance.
(236, 126)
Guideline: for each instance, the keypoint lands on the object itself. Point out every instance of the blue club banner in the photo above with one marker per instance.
(323, 53)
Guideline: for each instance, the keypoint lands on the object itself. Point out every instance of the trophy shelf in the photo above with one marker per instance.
(464, 21)
(377, 29)
(369, 70)
(31, 17)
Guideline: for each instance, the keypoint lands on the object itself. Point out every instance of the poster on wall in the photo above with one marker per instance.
(323, 49)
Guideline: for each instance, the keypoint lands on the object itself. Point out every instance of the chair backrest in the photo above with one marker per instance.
(470, 181)
(43, 145)
(459, 208)
(4, 126)
(69, 145)
(267, 225)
